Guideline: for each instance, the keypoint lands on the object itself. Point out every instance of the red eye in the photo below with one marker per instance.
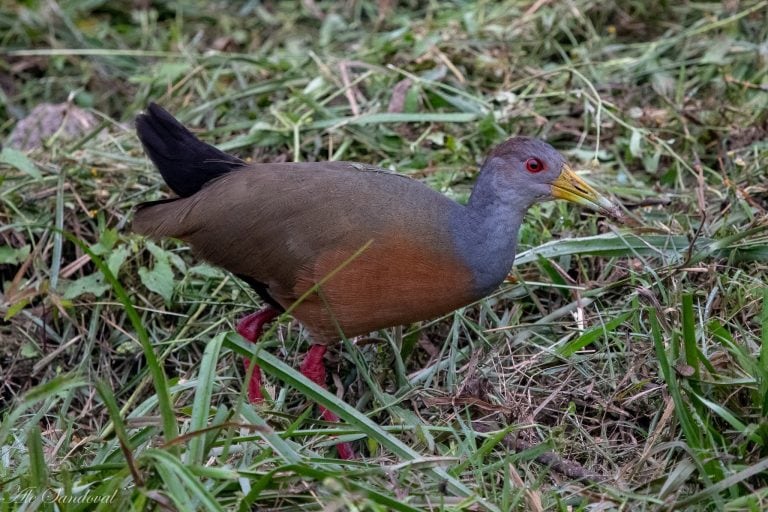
(534, 165)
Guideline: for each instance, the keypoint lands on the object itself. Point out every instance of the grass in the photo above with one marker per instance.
(621, 367)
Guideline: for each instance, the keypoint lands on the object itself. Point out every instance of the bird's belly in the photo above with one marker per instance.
(386, 284)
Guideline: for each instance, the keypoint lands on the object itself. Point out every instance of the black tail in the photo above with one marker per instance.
(186, 162)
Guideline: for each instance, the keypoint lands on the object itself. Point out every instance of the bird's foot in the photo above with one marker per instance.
(313, 368)
(250, 327)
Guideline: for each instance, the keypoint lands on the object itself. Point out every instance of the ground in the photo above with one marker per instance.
(621, 367)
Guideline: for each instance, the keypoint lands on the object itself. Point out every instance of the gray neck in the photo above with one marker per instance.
(485, 232)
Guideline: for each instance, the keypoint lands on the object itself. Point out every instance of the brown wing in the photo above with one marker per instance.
(291, 225)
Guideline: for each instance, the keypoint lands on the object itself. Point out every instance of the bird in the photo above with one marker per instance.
(346, 247)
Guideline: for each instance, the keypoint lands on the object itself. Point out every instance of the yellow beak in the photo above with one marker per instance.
(570, 187)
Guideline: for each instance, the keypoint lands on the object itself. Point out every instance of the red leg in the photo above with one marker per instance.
(313, 368)
(250, 328)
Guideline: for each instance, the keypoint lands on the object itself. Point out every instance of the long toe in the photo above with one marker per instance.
(250, 327)
(344, 450)
(313, 367)
(254, 384)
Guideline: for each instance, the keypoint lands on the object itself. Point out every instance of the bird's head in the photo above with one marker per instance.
(522, 171)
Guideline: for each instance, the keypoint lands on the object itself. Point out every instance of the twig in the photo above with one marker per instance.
(555, 462)
(348, 89)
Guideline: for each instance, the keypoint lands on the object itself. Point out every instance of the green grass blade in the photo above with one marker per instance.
(38, 469)
(280, 370)
(159, 379)
(681, 408)
(690, 347)
(287, 450)
(764, 351)
(176, 471)
(105, 392)
(320, 475)
(483, 451)
(203, 391)
(45, 391)
(747, 473)
(730, 418)
(670, 248)
(389, 117)
(591, 335)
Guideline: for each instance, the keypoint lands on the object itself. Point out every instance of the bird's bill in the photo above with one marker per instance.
(570, 187)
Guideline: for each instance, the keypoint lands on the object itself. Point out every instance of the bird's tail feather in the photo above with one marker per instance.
(185, 162)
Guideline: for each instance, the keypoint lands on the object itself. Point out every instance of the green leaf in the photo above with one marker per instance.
(15, 308)
(323, 476)
(117, 258)
(19, 160)
(171, 72)
(106, 242)
(13, 255)
(205, 270)
(160, 278)
(717, 52)
(29, 349)
(93, 284)
(412, 100)
(663, 83)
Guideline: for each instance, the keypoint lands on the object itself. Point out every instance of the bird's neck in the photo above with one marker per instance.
(486, 234)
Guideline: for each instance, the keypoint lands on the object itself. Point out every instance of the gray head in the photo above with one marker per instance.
(522, 171)
(516, 174)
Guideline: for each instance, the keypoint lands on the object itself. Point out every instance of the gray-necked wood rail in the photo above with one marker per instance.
(380, 249)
